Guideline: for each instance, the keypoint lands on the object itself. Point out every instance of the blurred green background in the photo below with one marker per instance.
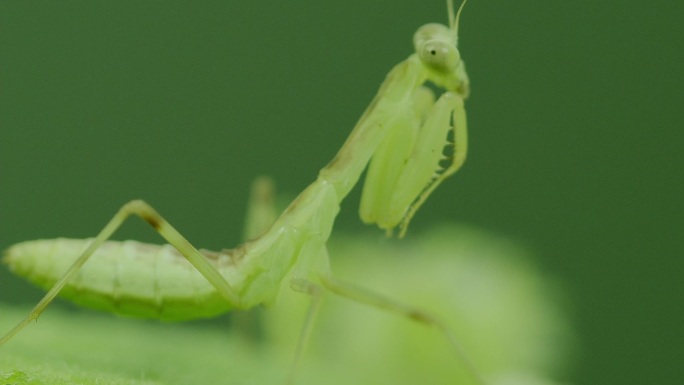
(575, 126)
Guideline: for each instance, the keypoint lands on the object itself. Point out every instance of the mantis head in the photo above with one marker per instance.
(436, 44)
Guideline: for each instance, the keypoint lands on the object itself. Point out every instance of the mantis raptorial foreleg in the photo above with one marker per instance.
(458, 155)
(406, 167)
(169, 233)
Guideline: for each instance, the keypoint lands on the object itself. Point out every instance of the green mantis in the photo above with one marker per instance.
(410, 143)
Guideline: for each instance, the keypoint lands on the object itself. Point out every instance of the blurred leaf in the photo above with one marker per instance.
(507, 317)
(503, 312)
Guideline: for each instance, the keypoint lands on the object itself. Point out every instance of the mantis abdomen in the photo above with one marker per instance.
(129, 278)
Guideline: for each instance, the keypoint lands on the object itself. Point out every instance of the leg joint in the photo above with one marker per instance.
(144, 211)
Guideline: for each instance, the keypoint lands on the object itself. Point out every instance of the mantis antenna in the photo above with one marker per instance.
(453, 21)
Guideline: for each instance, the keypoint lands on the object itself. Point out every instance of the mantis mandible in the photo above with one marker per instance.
(410, 143)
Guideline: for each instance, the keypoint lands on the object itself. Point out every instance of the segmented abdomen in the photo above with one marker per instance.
(129, 278)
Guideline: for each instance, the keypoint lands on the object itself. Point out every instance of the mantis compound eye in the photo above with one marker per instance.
(440, 56)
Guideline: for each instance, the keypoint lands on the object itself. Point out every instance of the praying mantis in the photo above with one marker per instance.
(409, 141)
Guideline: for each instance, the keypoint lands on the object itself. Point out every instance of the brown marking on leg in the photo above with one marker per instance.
(419, 316)
(154, 221)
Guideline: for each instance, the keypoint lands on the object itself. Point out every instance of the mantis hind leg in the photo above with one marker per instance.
(150, 215)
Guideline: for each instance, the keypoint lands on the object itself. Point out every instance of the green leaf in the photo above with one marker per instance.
(504, 313)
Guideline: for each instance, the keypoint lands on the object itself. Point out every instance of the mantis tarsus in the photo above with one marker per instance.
(412, 143)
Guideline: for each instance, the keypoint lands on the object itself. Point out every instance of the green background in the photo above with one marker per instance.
(575, 126)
